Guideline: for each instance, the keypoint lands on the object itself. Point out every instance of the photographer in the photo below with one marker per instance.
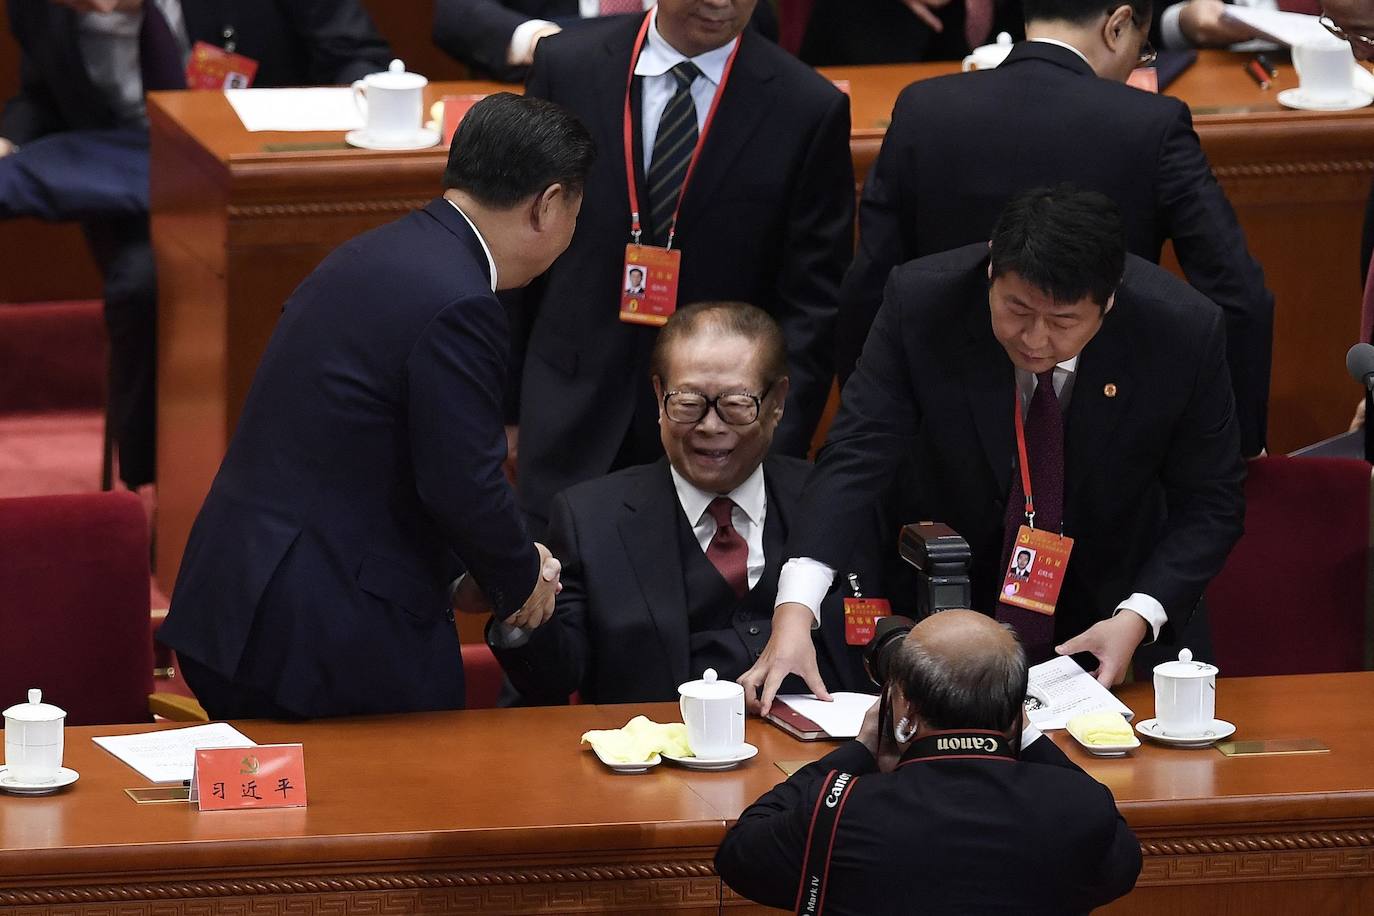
(946, 802)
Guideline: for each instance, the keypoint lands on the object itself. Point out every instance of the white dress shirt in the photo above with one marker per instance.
(491, 262)
(751, 509)
(805, 580)
(109, 50)
(523, 36)
(657, 58)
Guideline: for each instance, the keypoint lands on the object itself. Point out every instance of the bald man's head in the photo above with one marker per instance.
(962, 669)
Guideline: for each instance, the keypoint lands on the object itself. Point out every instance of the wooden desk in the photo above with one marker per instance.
(238, 221)
(498, 810)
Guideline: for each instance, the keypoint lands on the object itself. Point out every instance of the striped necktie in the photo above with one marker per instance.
(673, 147)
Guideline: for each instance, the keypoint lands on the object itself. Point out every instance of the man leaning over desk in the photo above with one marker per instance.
(1117, 372)
(365, 472)
(671, 568)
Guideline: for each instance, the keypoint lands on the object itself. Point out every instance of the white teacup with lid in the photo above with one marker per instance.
(392, 102)
(1185, 696)
(987, 57)
(713, 711)
(33, 740)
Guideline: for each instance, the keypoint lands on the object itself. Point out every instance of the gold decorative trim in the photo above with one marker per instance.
(330, 208)
(1294, 169)
(1259, 843)
(1258, 857)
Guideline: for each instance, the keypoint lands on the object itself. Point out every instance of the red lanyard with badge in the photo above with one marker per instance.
(650, 278)
(1034, 584)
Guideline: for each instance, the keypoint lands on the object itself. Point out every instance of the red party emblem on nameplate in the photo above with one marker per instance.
(456, 108)
(215, 68)
(264, 776)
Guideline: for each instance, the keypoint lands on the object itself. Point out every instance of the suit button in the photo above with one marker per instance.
(753, 631)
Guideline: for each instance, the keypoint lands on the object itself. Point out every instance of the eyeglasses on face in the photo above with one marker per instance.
(735, 408)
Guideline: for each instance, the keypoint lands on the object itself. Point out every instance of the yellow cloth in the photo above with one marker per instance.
(1101, 728)
(640, 739)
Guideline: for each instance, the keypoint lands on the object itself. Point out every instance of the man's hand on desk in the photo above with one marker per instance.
(925, 11)
(1202, 23)
(1113, 641)
(538, 607)
(789, 651)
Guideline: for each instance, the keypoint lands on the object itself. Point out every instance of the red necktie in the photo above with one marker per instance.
(1045, 451)
(728, 552)
(619, 7)
(1310, 7)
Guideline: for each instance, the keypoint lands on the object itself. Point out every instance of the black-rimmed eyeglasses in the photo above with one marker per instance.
(736, 408)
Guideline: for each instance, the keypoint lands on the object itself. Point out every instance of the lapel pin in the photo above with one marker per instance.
(1109, 389)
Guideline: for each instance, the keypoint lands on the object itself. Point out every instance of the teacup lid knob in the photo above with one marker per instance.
(397, 66)
(709, 676)
(1004, 38)
(35, 696)
(1186, 655)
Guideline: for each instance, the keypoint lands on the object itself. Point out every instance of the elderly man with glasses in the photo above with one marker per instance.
(672, 567)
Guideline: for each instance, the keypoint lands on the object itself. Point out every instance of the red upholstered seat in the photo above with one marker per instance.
(74, 605)
(483, 675)
(1291, 599)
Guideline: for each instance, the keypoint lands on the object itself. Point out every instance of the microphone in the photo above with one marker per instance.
(1359, 362)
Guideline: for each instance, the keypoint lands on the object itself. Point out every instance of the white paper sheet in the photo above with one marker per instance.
(320, 108)
(1285, 28)
(169, 756)
(1067, 691)
(841, 718)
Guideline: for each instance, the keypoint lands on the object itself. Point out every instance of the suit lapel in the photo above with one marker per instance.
(648, 529)
(1102, 390)
(750, 90)
(989, 386)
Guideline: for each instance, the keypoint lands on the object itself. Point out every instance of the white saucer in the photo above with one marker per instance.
(420, 139)
(1218, 730)
(715, 763)
(12, 785)
(1107, 750)
(1294, 98)
(638, 766)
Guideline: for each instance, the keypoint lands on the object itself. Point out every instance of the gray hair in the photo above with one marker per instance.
(981, 688)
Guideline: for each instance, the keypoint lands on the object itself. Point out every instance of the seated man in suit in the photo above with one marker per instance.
(924, 825)
(74, 140)
(364, 477)
(764, 216)
(1100, 376)
(947, 168)
(672, 567)
(498, 37)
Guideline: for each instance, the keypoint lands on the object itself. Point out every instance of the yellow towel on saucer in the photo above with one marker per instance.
(1097, 729)
(640, 739)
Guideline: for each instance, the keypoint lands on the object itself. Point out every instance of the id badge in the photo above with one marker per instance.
(211, 67)
(861, 616)
(1035, 575)
(648, 288)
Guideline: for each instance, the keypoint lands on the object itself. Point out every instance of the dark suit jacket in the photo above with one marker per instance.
(620, 634)
(844, 32)
(295, 42)
(1152, 473)
(364, 474)
(767, 219)
(1033, 836)
(961, 146)
(478, 32)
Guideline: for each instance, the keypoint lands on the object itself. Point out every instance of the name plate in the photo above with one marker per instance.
(1273, 747)
(265, 776)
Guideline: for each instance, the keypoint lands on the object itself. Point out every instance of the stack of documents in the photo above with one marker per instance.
(169, 755)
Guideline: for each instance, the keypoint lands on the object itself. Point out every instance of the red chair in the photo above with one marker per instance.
(1292, 596)
(483, 675)
(74, 605)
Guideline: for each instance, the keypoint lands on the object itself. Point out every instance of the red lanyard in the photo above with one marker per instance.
(1025, 464)
(635, 229)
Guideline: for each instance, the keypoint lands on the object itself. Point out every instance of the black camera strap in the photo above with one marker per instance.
(820, 841)
(971, 744)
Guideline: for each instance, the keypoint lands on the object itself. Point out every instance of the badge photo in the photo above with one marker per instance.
(648, 284)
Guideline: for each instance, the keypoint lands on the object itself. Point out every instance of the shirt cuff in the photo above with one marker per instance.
(522, 41)
(1170, 32)
(1148, 608)
(1029, 735)
(804, 581)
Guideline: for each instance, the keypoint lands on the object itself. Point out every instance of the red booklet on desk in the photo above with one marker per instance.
(808, 719)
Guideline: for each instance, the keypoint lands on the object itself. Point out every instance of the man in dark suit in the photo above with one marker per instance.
(766, 217)
(946, 807)
(961, 146)
(671, 568)
(498, 37)
(365, 474)
(1119, 371)
(74, 141)
(845, 32)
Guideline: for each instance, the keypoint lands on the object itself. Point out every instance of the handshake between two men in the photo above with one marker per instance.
(538, 607)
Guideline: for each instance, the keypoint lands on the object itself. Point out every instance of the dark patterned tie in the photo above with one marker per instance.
(673, 147)
(1044, 425)
(159, 54)
(728, 552)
